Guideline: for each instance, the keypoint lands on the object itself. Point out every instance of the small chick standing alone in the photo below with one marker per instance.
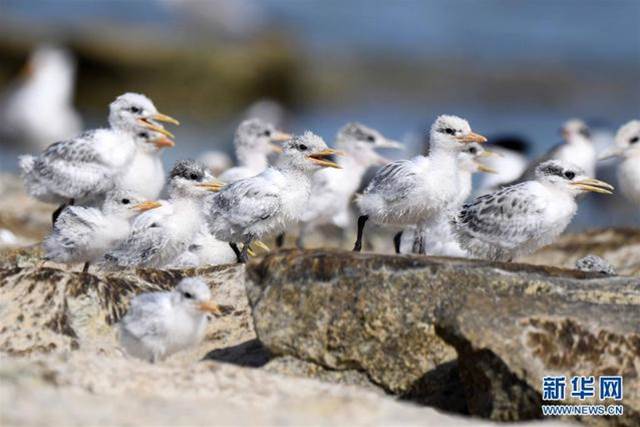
(85, 234)
(333, 189)
(416, 191)
(158, 237)
(268, 203)
(159, 324)
(628, 147)
(253, 142)
(522, 218)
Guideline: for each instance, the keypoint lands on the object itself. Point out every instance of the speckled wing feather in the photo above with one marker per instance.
(72, 168)
(506, 218)
(394, 181)
(246, 202)
(72, 233)
(146, 240)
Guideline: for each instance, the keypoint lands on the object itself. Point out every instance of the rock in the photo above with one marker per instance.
(51, 310)
(619, 246)
(595, 264)
(409, 323)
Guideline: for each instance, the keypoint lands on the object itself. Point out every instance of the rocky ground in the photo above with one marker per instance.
(320, 337)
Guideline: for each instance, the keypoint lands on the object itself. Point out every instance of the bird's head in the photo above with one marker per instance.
(360, 142)
(191, 179)
(151, 141)
(132, 111)
(451, 133)
(575, 131)
(307, 152)
(569, 178)
(194, 296)
(469, 158)
(126, 204)
(255, 135)
(627, 141)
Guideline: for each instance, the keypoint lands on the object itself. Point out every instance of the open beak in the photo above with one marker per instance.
(154, 127)
(326, 158)
(164, 118)
(472, 137)
(611, 152)
(146, 206)
(163, 142)
(485, 169)
(209, 307)
(389, 143)
(213, 186)
(595, 185)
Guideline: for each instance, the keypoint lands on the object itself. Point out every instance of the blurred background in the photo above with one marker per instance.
(519, 68)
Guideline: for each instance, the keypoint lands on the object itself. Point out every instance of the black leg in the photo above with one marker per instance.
(235, 250)
(361, 222)
(244, 255)
(86, 267)
(280, 240)
(397, 239)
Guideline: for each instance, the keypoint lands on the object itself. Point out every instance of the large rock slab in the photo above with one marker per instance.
(436, 329)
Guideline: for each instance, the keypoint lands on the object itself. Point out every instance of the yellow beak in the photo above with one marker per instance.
(595, 185)
(209, 306)
(213, 186)
(320, 158)
(472, 137)
(485, 169)
(164, 118)
(146, 206)
(146, 123)
(163, 142)
(280, 136)
(488, 153)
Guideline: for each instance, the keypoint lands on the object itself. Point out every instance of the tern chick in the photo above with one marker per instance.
(268, 203)
(84, 234)
(416, 191)
(333, 189)
(627, 146)
(158, 237)
(253, 141)
(159, 324)
(87, 166)
(519, 219)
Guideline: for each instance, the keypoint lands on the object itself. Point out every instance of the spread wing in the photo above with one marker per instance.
(246, 202)
(394, 181)
(508, 217)
(147, 239)
(73, 168)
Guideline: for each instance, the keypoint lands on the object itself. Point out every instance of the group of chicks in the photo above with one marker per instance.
(107, 183)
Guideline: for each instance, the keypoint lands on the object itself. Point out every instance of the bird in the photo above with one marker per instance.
(332, 189)
(39, 109)
(441, 241)
(577, 148)
(158, 237)
(85, 234)
(86, 167)
(408, 192)
(268, 203)
(204, 249)
(216, 161)
(254, 141)
(159, 324)
(627, 146)
(519, 219)
(509, 164)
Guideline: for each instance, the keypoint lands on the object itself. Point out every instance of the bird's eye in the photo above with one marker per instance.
(473, 150)
(193, 176)
(585, 132)
(634, 140)
(125, 201)
(449, 131)
(267, 133)
(135, 110)
(302, 147)
(143, 135)
(370, 138)
(188, 295)
(569, 175)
